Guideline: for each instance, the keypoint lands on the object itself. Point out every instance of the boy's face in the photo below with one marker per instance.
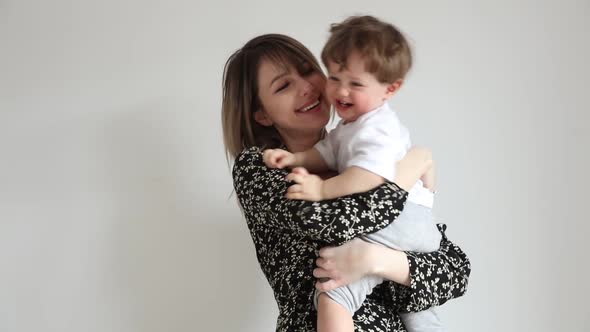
(352, 90)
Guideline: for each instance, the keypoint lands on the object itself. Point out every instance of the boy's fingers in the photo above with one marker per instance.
(282, 162)
(294, 196)
(296, 188)
(300, 170)
(298, 178)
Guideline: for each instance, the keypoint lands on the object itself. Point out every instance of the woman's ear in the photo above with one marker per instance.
(393, 88)
(262, 118)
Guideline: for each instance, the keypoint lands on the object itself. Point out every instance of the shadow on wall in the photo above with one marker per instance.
(181, 257)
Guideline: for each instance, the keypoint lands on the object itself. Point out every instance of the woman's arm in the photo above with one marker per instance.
(435, 277)
(261, 192)
(430, 279)
(355, 259)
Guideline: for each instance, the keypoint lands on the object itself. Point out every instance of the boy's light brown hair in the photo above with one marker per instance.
(383, 47)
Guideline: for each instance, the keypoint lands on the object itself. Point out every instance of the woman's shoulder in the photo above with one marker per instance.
(249, 164)
(251, 156)
(248, 157)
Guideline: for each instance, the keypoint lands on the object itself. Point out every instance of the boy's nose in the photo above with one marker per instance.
(343, 92)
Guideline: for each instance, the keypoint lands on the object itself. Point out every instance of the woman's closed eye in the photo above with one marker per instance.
(283, 87)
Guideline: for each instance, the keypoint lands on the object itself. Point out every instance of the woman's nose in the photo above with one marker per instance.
(306, 87)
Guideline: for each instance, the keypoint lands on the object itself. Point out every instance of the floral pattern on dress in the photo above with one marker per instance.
(288, 234)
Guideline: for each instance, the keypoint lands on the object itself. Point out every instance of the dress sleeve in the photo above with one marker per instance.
(261, 193)
(436, 277)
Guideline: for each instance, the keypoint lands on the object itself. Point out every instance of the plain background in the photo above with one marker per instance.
(115, 206)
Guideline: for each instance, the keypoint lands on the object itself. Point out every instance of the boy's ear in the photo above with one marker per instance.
(262, 119)
(393, 88)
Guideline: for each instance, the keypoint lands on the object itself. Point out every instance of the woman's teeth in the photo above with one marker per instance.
(344, 103)
(307, 108)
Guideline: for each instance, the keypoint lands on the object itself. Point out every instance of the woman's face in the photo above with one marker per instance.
(292, 99)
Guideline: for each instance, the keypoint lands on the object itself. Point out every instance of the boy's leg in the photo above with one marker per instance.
(423, 321)
(348, 299)
(351, 296)
(332, 317)
(413, 230)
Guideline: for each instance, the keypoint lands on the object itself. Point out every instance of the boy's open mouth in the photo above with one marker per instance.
(343, 104)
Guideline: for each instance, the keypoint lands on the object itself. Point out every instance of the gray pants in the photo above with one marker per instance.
(413, 230)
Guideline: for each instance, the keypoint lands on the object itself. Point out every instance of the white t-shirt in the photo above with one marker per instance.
(375, 142)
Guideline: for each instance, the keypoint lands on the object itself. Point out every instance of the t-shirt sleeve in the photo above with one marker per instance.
(327, 149)
(377, 149)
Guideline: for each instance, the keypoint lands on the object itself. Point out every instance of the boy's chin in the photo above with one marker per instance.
(347, 115)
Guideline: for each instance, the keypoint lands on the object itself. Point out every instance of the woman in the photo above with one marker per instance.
(273, 97)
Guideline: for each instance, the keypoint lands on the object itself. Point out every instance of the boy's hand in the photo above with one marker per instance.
(308, 187)
(278, 158)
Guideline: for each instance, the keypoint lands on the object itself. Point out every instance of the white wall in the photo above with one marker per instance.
(114, 208)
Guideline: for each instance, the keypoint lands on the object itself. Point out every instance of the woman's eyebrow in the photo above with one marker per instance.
(278, 77)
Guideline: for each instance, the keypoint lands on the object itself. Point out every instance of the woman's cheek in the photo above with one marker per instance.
(319, 81)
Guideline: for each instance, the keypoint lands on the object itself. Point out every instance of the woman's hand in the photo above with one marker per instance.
(342, 265)
(357, 258)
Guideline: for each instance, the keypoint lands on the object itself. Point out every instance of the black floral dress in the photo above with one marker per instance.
(287, 235)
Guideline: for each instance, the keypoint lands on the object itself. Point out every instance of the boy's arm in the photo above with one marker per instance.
(353, 180)
(312, 160)
(311, 187)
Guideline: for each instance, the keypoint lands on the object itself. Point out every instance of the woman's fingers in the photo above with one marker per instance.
(327, 286)
(320, 273)
(346, 263)
(321, 262)
(326, 252)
